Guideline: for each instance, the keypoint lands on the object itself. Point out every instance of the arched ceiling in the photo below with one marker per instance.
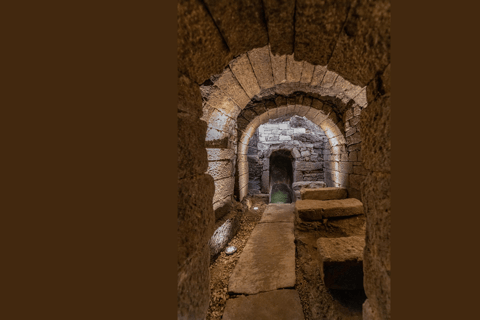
(352, 37)
(259, 76)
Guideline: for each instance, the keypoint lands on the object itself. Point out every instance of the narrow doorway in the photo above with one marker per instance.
(281, 177)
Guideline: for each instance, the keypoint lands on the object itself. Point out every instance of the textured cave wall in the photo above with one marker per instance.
(195, 217)
(376, 192)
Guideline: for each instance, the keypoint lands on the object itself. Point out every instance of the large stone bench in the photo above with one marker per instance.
(341, 262)
(316, 210)
(323, 193)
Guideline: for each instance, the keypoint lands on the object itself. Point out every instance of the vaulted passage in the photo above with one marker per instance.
(245, 67)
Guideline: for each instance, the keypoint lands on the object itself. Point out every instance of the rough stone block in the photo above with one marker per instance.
(189, 97)
(225, 230)
(260, 60)
(230, 85)
(223, 188)
(278, 304)
(307, 166)
(369, 22)
(317, 25)
(241, 23)
(318, 74)
(316, 210)
(193, 286)
(329, 79)
(341, 262)
(276, 212)
(356, 181)
(298, 186)
(220, 169)
(280, 24)
(324, 194)
(191, 154)
(214, 154)
(307, 73)
(294, 69)
(200, 46)
(279, 63)
(216, 98)
(243, 71)
(376, 195)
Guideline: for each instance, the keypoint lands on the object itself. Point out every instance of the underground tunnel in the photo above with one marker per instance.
(327, 246)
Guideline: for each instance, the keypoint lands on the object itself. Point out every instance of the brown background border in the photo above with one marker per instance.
(90, 161)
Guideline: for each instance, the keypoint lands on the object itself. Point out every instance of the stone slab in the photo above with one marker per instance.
(341, 249)
(323, 194)
(279, 213)
(315, 210)
(341, 262)
(278, 305)
(267, 261)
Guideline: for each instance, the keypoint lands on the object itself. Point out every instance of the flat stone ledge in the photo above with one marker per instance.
(324, 194)
(315, 210)
(341, 262)
(278, 305)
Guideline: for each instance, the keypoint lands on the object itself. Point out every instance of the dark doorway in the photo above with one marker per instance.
(281, 177)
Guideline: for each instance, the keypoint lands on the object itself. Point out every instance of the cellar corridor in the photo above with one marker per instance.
(307, 79)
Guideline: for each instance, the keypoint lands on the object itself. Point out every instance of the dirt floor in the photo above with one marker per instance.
(318, 302)
(222, 266)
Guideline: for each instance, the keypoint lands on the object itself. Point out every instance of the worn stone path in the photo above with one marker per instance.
(266, 270)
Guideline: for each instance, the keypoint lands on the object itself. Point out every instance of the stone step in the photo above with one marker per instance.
(278, 305)
(316, 210)
(268, 259)
(341, 262)
(323, 193)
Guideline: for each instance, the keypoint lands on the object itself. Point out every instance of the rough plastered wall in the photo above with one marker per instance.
(375, 122)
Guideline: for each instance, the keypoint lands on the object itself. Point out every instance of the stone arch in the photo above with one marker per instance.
(259, 81)
(339, 167)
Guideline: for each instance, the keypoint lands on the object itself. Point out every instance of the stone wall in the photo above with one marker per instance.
(375, 123)
(195, 217)
(304, 139)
